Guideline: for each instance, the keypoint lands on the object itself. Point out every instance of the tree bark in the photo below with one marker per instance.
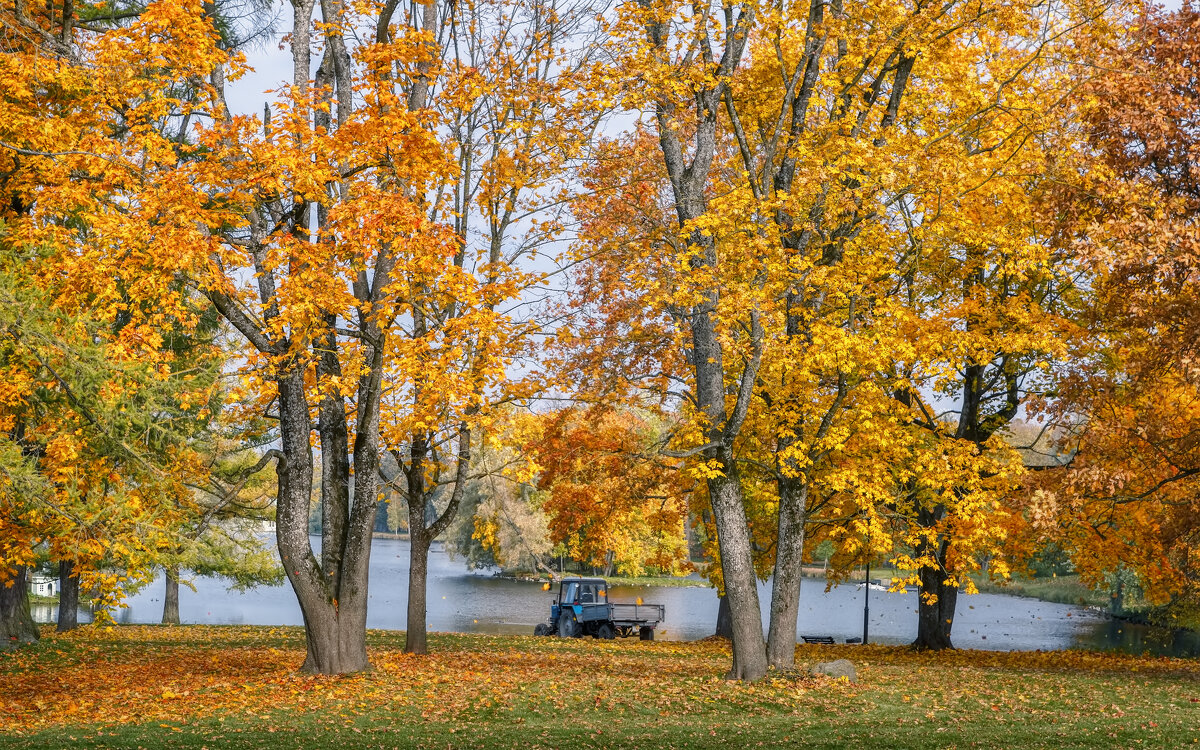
(789, 561)
(737, 570)
(334, 616)
(935, 619)
(422, 532)
(68, 597)
(724, 618)
(171, 597)
(16, 622)
(415, 641)
(688, 171)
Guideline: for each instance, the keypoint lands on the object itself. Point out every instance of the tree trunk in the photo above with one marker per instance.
(935, 619)
(423, 531)
(418, 600)
(737, 571)
(335, 617)
(724, 618)
(68, 597)
(171, 598)
(16, 623)
(789, 561)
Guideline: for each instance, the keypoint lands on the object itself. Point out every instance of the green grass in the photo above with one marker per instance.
(212, 687)
(667, 581)
(1065, 589)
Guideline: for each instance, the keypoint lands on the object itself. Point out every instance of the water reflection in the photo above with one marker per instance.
(48, 613)
(460, 601)
(1135, 638)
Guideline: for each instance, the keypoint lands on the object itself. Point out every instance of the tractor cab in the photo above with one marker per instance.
(583, 591)
(581, 607)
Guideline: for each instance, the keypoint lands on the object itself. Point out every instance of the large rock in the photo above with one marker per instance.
(835, 669)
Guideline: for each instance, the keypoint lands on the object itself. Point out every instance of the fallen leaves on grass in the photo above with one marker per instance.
(104, 677)
(135, 674)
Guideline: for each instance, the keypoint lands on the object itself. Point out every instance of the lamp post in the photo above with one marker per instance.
(867, 586)
(866, 601)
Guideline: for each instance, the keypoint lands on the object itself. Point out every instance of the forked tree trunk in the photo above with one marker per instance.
(332, 591)
(335, 627)
(935, 619)
(68, 597)
(335, 610)
(171, 597)
(16, 622)
(789, 561)
(422, 532)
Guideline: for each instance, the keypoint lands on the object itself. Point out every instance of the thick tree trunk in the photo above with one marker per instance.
(789, 560)
(418, 600)
(335, 617)
(335, 620)
(16, 623)
(934, 620)
(724, 618)
(335, 628)
(737, 571)
(68, 597)
(171, 597)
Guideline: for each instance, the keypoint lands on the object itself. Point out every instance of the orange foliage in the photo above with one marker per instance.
(608, 498)
(1131, 411)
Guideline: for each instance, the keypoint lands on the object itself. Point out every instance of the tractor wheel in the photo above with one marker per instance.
(646, 634)
(541, 629)
(605, 632)
(568, 627)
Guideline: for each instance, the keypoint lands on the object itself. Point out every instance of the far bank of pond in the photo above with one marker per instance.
(467, 602)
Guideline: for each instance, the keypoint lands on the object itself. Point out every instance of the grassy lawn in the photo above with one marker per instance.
(237, 687)
(670, 581)
(617, 580)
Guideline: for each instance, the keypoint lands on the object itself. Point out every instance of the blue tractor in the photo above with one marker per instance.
(582, 608)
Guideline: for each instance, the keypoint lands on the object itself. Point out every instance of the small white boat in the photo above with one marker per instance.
(878, 586)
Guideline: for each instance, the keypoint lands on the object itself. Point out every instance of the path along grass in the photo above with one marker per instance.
(237, 687)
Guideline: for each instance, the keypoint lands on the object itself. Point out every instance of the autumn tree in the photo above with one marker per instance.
(228, 205)
(324, 233)
(983, 300)
(1002, 308)
(96, 444)
(1128, 407)
(136, 405)
(799, 145)
(504, 99)
(610, 500)
(683, 61)
(816, 179)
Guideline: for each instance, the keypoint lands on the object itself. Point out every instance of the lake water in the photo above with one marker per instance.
(477, 602)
